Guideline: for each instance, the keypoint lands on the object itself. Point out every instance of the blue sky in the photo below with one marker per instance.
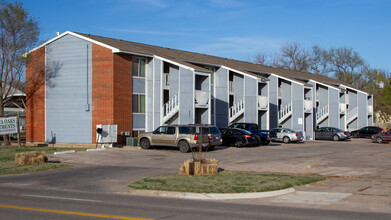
(227, 28)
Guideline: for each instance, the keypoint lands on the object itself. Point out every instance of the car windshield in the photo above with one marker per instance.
(214, 130)
(289, 130)
(337, 129)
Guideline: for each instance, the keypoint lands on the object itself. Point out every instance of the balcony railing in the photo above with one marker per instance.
(308, 106)
(370, 110)
(262, 102)
(201, 98)
(342, 108)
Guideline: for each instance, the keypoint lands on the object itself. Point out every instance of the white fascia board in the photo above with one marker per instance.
(115, 50)
(131, 53)
(173, 62)
(238, 71)
(328, 86)
(278, 76)
(201, 73)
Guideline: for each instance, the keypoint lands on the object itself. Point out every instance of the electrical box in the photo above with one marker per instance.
(108, 134)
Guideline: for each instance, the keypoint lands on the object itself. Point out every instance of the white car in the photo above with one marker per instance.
(287, 135)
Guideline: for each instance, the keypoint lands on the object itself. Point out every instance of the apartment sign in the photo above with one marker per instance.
(8, 125)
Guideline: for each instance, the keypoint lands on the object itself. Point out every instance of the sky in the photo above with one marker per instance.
(227, 28)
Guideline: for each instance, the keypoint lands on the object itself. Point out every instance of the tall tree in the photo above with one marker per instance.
(320, 61)
(18, 34)
(291, 56)
(347, 65)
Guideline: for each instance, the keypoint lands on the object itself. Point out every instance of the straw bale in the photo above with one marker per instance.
(206, 167)
(29, 158)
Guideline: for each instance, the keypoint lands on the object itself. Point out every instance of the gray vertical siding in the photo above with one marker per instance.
(238, 88)
(250, 99)
(157, 92)
(174, 80)
(333, 107)
(298, 107)
(221, 107)
(186, 96)
(149, 96)
(362, 110)
(352, 99)
(138, 85)
(286, 89)
(138, 121)
(67, 114)
(273, 101)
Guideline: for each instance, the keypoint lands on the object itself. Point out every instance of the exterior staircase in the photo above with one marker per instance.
(284, 113)
(352, 114)
(235, 111)
(322, 114)
(170, 108)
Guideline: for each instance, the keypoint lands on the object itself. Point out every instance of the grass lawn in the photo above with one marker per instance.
(223, 182)
(7, 160)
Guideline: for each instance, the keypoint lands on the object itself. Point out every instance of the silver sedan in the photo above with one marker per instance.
(287, 135)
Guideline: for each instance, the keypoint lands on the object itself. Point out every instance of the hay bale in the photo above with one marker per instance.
(30, 158)
(204, 167)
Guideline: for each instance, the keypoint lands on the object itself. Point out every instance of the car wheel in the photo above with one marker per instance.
(183, 146)
(238, 143)
(336, 138)
(258, 140)
(379, 140)
(286, 140)
(265, 142)
(144, 143)
(355, 135)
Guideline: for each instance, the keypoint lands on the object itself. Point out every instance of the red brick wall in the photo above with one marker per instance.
(35, 96)
(123, 94)
(111, 90)
(102, 87)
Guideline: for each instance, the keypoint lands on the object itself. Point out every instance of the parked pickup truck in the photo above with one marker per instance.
(264, 136)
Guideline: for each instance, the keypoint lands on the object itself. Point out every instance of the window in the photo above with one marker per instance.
(170, 130)
(138, 103)
(138, 67)
(160, 130)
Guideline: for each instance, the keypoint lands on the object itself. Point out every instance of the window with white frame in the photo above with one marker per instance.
(138, 67)
(138, 103)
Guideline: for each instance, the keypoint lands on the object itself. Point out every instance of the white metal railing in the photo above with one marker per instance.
(342, 108)
(322, 114)
(262, 102)
(370, 110)
(166, 79)
(284, 113)
(308, 106)
(231, 87)
(201, 97)
(170, 107)
(352, 114)
(236, 110)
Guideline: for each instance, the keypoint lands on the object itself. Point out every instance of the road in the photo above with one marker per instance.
(97, 184)
(22, 203)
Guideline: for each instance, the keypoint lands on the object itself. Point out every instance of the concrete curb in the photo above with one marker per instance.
(65, 152)
(212, 196)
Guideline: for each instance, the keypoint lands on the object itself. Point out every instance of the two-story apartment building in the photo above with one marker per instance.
(139, 87)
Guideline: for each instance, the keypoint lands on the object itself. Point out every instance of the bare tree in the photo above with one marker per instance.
(347, 65)
(291, 56)
(18, 34)
(320, 61)
(261, 58)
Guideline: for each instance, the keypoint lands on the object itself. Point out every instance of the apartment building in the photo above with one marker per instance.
(138, 87)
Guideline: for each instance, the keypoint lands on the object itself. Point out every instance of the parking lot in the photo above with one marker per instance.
(358, 171)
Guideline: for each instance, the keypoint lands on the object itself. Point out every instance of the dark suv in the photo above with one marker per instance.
(365, 132)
